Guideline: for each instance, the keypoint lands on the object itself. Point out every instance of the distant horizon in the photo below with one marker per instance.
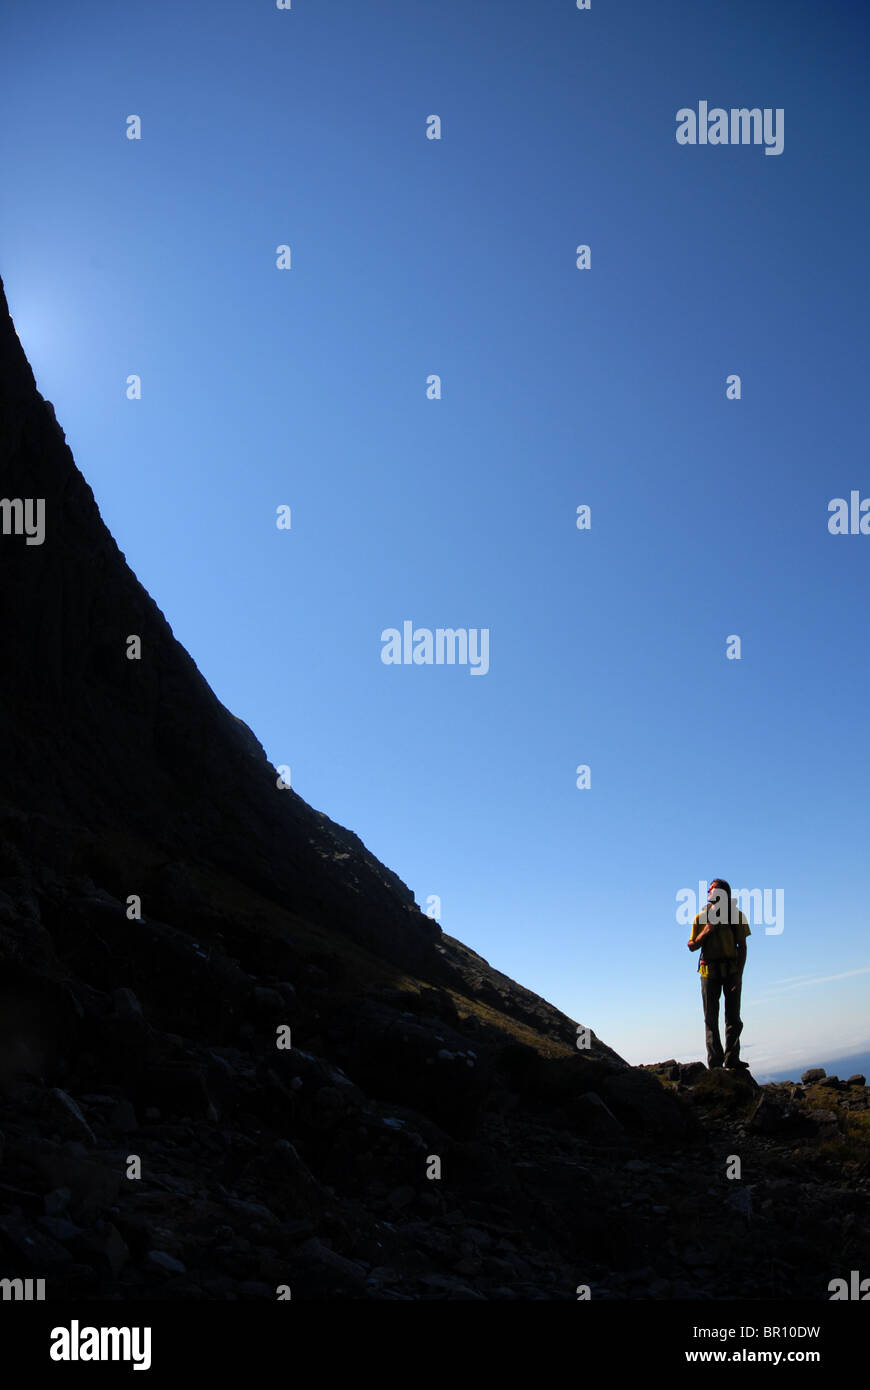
(858, 1062)
(842, 1067)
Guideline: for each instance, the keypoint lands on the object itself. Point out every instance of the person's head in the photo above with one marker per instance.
(719, 900)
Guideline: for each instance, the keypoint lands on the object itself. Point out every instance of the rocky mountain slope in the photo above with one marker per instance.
(166, 912)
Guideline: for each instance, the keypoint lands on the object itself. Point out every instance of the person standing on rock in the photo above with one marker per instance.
(720, 933)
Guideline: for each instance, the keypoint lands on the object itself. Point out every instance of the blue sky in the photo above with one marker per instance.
(560, 387)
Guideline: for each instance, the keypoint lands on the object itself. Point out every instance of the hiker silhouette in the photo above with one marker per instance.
(719, 931)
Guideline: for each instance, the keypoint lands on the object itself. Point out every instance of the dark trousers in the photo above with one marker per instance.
(711, 989)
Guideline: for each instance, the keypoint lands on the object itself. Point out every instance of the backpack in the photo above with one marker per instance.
(720, 946)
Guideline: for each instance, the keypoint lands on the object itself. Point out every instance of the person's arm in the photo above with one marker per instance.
(695, 942)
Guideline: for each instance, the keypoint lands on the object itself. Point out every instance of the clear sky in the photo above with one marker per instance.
(560, 387)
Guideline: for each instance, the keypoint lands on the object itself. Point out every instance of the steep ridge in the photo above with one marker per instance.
(156, 1139)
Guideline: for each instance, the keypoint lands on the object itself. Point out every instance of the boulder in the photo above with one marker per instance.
(641, 1104)
(161, 1260)
(773, 1114)
(689, 1072)
(61, 1112)
(824, 1120)
(587, 1115)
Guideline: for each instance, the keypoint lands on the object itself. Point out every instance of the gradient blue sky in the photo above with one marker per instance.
(560, 387)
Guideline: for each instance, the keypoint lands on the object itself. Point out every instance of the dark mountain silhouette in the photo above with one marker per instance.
(165, 910)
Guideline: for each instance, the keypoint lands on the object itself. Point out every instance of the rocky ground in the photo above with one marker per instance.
(307, 1167)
